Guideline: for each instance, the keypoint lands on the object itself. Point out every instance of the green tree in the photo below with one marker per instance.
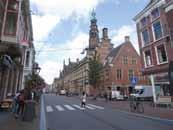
(95, 68)
(33, 81)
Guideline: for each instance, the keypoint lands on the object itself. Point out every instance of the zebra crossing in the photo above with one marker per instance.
(71, 107)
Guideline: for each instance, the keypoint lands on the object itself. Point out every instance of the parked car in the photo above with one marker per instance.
(116, 95)
(62, 92)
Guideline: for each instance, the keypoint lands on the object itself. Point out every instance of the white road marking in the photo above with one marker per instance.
(79, 107)
(69, 107)
(89, 107)
(60, 108)
(49, 109)
(99, 107)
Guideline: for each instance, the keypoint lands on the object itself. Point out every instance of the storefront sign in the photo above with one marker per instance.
(161, 78)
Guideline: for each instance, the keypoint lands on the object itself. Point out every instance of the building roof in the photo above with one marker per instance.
(148, 6)
(115, 51)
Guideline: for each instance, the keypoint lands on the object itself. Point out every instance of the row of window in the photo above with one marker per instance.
(119, 74)
(160, 53)
(153, 16)
(133, 60)
(157, 32)
(157, 29)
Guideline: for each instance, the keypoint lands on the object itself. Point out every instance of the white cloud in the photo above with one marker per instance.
(49, 70)
(65, 8)
(42, 25)
(48, 13)
(71, 49)
(126, 30)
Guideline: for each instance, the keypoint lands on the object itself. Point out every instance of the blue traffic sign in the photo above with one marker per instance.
(134, 80)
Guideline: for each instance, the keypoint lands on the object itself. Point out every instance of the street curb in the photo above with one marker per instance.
(170, 122)
(43, 125)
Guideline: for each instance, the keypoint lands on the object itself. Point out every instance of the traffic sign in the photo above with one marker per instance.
(134, 80)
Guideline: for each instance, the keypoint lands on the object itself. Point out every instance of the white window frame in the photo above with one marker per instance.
(154, 37)
(121, 74)
(129, 73)
(158, 63)
(146, 66)
(151, 14)
(143, 43)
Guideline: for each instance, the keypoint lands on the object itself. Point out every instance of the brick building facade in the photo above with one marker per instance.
(154, 28)
(122, 64)
(75, 75)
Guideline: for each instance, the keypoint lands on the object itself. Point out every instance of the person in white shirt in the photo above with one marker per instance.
(83, 102)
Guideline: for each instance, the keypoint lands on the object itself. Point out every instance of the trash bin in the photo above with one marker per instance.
(29, 110)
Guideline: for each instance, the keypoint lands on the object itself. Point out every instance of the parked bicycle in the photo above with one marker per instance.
(136, 105)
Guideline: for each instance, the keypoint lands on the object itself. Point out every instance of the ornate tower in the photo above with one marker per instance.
(93, 33)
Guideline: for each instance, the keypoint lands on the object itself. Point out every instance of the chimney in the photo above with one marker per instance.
(105, 33)
(127, 38)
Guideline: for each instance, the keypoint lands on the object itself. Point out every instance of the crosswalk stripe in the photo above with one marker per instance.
(69, 107)
(59, 108)
(89, 107)
(49, 109)
(79, 107)
(99, 107)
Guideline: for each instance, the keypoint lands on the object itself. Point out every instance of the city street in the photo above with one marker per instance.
(65, 113)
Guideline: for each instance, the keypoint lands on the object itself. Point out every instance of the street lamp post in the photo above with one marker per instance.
(36, 71)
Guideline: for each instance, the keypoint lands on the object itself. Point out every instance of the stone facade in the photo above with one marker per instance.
(16, 41)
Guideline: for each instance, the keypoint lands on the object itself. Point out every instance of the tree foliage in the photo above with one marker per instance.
(33, 81)
(95, 68)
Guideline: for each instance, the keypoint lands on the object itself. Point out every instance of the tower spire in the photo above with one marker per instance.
(93, 14)
(93, 33)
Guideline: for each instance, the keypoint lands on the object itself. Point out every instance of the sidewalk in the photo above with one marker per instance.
(8, 122)
(155, 112)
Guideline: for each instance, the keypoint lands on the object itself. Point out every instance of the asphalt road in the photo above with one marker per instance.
(64, 113)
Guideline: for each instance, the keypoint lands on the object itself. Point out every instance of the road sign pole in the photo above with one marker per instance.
(153, 88)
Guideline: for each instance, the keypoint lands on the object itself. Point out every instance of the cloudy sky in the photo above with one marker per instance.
(61, 28)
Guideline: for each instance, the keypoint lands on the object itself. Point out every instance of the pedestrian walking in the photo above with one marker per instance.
(106, 96)
(21, 103)
(83, 102)
(15, 103)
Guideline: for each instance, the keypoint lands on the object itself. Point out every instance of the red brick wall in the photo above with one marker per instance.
(126, 50)
(166, 24)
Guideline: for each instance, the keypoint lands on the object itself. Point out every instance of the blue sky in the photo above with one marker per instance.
(61, 28)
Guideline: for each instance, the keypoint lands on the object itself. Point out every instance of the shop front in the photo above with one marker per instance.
(162, 84)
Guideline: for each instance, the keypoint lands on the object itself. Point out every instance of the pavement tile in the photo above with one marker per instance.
(8, 122)
(149, 110)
